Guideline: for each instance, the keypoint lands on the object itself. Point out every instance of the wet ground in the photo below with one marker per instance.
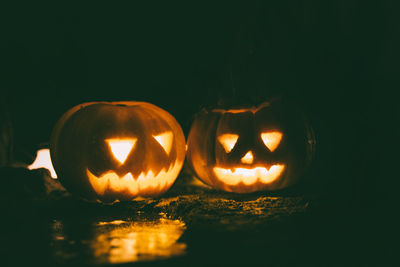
(42, 225)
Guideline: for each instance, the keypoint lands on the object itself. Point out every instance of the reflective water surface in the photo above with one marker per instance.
(117, 241)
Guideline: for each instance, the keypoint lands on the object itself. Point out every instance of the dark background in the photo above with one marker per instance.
(339, 59)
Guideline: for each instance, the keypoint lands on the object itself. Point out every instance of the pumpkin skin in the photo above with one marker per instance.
(265, 147)
(111, 151)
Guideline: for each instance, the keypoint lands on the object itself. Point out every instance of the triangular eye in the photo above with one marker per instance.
(228, 141)
(271, 139)
(165, 140)
(121, 148)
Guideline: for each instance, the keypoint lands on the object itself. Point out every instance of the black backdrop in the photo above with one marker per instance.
(340, 59)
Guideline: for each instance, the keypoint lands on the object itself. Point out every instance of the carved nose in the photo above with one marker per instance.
(248, 158)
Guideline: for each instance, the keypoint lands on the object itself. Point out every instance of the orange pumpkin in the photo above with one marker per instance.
(110, 151)
(264, 147)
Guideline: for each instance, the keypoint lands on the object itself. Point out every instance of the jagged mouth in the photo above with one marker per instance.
(131, 186)
(249, 176)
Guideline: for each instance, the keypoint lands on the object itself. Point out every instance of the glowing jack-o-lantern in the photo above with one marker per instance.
(244, 150)
(117, 151)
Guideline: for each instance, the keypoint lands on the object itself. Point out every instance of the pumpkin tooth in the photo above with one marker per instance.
(99, 185)
(272, 174)
(163, 180)
(141, 177)
(226, 176)
(250, 178)
(140, 180)
(128, 177)
(133, 187)
(147, 182)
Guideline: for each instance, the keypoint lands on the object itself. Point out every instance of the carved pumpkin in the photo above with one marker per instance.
(244, 150)
(117, 151)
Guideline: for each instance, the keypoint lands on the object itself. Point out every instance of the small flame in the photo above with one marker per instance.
(43, 160)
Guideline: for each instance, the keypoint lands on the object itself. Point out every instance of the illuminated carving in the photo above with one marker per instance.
(165, 140)
(271, 139)
(130, 187)
(228, 141)
(121, 148)
(249, 176)
(248, 158)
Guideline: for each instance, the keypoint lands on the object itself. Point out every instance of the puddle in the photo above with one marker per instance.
(117, 241)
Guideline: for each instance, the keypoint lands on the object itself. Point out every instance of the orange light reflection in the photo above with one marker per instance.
(137, 241)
